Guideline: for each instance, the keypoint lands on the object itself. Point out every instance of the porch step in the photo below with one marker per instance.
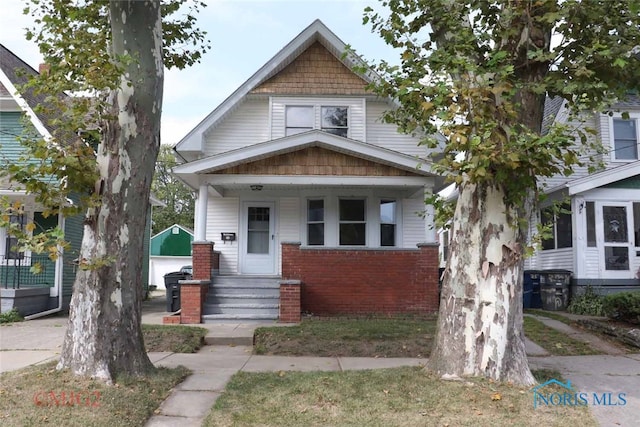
(242, 298)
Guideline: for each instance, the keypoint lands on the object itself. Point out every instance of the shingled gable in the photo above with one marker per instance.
(314, 43)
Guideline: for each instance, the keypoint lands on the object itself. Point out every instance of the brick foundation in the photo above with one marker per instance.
(364, 281)
(290, 308)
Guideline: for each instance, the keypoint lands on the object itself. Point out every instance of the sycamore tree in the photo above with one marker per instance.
(478, 71)
(178, 198)
(111, 57)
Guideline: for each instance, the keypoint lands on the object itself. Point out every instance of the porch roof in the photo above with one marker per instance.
(419, 169)
(605, 177)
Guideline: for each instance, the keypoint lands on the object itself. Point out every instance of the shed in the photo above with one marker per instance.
(170, 250)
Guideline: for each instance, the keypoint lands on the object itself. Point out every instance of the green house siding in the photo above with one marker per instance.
(167, 243)
(11, 128)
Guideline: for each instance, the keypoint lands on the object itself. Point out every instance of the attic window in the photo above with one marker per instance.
(175, 230)
(298, 119)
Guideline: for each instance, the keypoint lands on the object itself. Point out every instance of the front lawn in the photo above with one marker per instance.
(386, 337)
(384, 397)
(173, 338)
(41, 395)
(376, 337)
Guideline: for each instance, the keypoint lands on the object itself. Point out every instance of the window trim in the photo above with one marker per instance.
(612, 141)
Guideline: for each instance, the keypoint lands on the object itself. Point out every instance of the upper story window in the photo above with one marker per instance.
(303, 118)
(625, 139)
(335, 120)
(299, 119)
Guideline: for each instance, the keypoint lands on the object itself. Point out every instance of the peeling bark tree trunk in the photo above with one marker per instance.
(480, 321)
(104, 336)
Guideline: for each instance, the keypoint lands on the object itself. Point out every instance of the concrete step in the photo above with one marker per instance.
(252, 281)
(215, 318)
(219, 298)
(241, 308)
(244, 290)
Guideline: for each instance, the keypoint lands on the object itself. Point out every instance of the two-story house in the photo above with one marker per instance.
(597, 235)
(298, 179)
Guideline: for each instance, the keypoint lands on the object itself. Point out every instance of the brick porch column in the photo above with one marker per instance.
(194, 292)
(290, 309)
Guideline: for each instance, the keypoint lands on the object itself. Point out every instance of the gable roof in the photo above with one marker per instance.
(15, 72)
(312, 138)
(316, 32)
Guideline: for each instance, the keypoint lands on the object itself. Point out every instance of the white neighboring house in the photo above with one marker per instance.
(297, 164)
(599, 240)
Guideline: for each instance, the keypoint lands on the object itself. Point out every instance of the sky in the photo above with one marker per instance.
(244, 35)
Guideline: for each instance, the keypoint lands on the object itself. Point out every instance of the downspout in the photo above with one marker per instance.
(58, 281)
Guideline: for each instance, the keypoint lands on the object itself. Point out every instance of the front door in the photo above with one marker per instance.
(258, 238)
(617, 241)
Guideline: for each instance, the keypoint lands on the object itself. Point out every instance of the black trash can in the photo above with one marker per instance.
(531, 283)
(554, 289)
(171, 283)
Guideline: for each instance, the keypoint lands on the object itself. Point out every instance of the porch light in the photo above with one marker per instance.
(256, 187)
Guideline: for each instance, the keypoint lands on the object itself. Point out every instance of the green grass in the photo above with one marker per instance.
(551, 315)
(34, 397)
(385, 397)
(555, 342)
(173, 338)
(374, 337)
(10, 316)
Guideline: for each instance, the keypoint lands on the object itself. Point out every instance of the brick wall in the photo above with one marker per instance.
(193, 293)
(339, 281)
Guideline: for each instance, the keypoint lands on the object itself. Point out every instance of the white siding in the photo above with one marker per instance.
(591, 264)
(386, 135)
(247, 125)
(413, 223)
(578, 172)
(222, 216)
(356, 119)
(556, 259)
(289, 223)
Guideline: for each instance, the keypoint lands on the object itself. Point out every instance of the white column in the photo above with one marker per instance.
(201, 213)
(430, 235)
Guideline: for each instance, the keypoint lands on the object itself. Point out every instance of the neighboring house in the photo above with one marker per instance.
(170, 251)
(50, 290)
(298, 179)
(598, 237)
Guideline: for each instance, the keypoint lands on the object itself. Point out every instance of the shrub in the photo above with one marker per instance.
(623, 306)
(10, 316)
(589, 303)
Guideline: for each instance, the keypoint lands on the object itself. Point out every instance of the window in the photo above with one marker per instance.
(315, 222)
(625, 139)
(387, 222)
(11, 241)
(353, 226)
(559, 222)
(298, 119)
(591, 224)
(334, 120)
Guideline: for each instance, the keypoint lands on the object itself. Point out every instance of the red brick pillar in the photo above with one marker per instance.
(193, 292)
(290, 310)
(428, 270)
